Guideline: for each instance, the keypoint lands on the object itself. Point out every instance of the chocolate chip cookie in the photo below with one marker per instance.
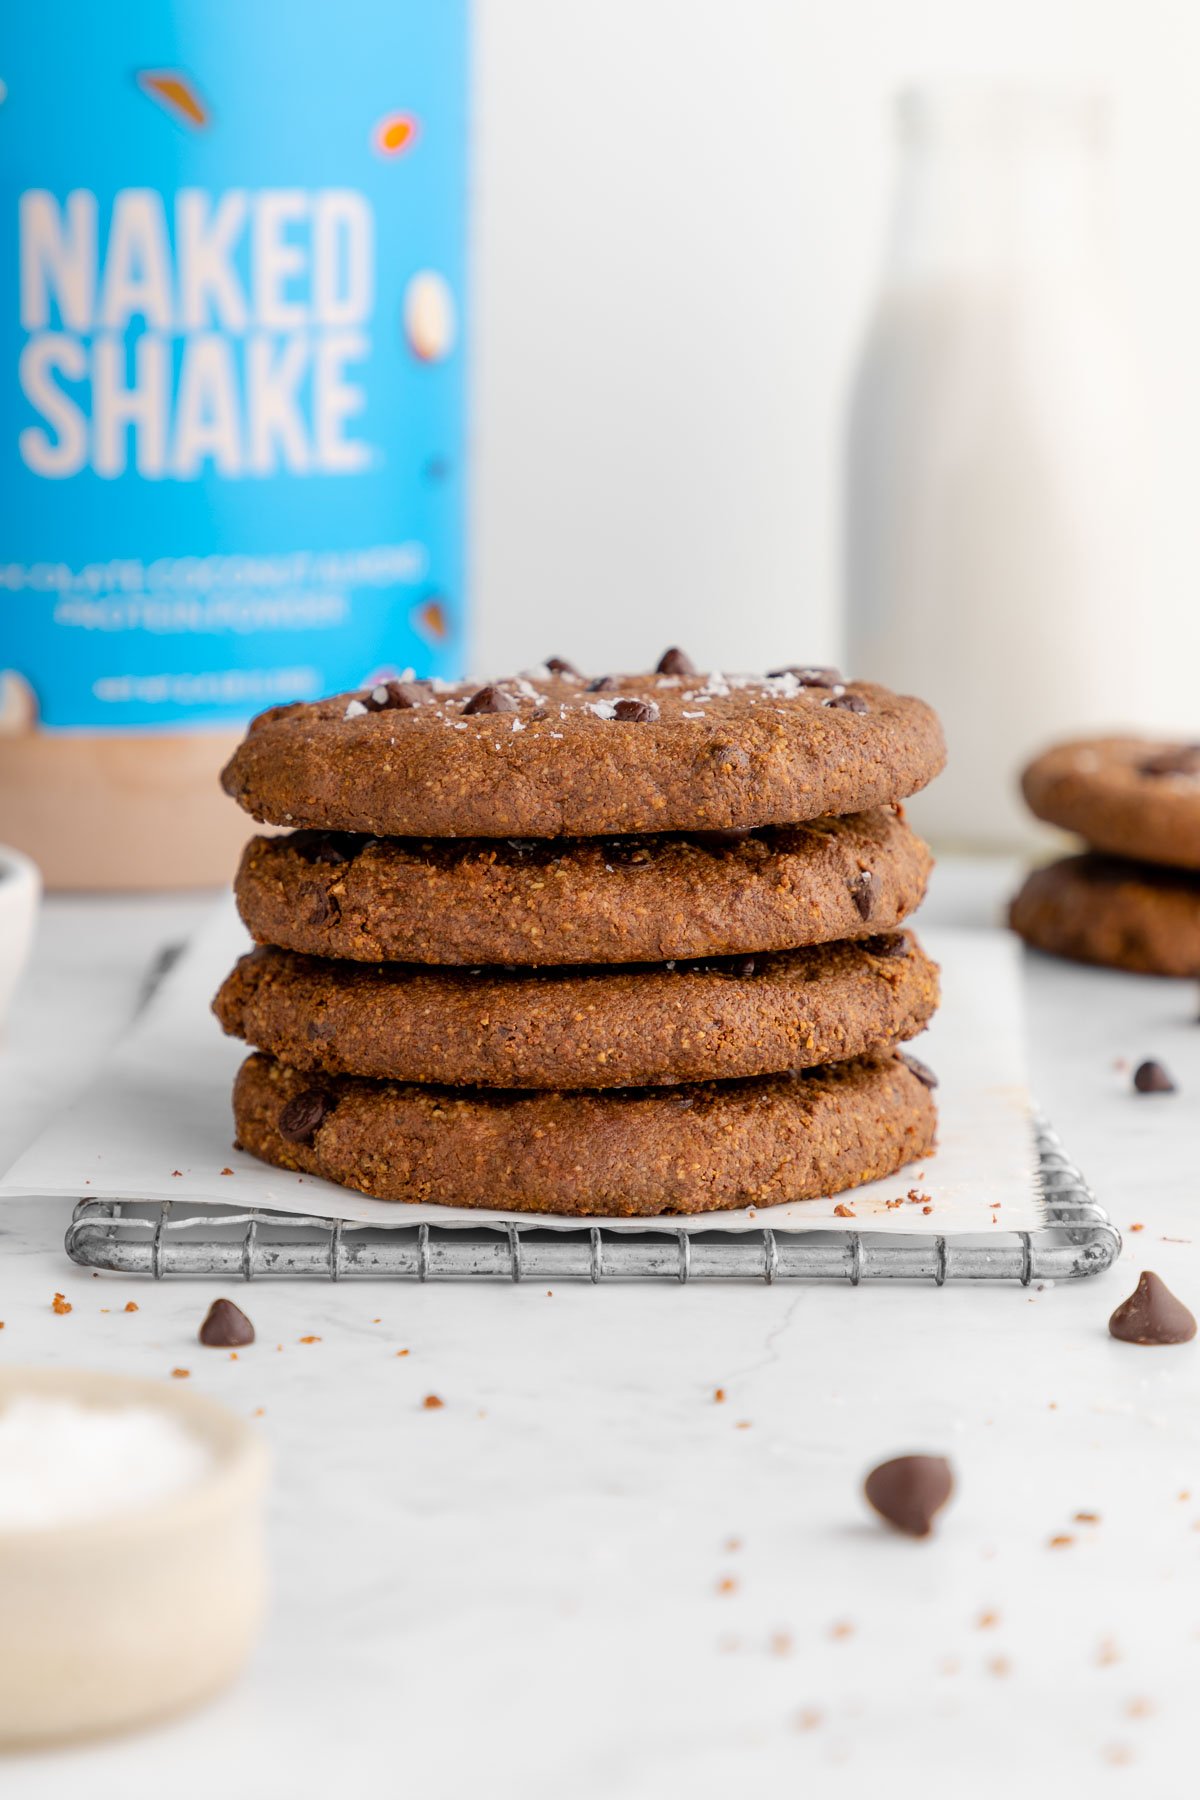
(633, 1152)
(581, 900)
(1124, 915)
(598, 1028)
(1129, 796)
(553, 754)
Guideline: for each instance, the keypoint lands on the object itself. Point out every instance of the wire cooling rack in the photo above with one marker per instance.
(169, 1238)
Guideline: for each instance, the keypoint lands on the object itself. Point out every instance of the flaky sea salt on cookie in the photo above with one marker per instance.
(554, 753)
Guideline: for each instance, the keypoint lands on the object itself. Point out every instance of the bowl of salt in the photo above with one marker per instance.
(131, 1551)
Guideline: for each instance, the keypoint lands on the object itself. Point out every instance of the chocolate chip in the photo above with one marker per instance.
(639, 712)
(1185, 760)
(910, 1491)
(226, 1326)
(392, 696)
(558, 665)
(324, 846)
(303, 1114)
(719, 840)
(888, 943)
(729, 758)
(1152, 1078)
(809, 675)
(1152, 1315)
(740, 967)
(864, 891)
(921, 1070)
(322, 905)
(490, 700)
(601, 684)
(675, 662)
(848, 703)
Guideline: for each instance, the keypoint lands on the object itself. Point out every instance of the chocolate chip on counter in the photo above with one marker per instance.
(887, 943)
(864, 891)
(921, 1070)
(848, 703)
(675, 662)
(490, 700)
(1151, 1078)
(640, 712)
(910, 1491)
(601, 684)
(303, 1114)
(392, 696)
(226, 1326)
(810, 675)
(1152, 1315)
(1184, 760)
(558, 665)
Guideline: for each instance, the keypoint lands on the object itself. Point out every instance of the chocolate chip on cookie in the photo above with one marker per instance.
(633, 1151)
(392, 696)
(558, 665)
(887, 944)
(1182, 761)
(637, 712)
(586, 900)
(728, 753)
(675, 662)
(1128, 796)
(864, 890)
(810, 675)
(922, 1071)
(325, 846)
(302, 1116)
(490, 699)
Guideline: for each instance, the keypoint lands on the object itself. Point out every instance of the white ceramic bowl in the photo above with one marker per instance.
(20, 890)
(124, 1619)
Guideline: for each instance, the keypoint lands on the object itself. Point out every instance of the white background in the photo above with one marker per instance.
(680, 217)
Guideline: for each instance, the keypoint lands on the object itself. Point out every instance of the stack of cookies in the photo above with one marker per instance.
(1132, 900)
(616, 945)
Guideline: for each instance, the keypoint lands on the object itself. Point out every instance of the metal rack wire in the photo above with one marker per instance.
(166, 1238)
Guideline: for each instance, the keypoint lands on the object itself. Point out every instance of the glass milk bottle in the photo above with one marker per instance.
(997, 486)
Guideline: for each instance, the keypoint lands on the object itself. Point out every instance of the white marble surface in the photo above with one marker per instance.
(522, 1593)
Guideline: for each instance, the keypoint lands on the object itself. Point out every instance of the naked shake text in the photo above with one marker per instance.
(231, 396)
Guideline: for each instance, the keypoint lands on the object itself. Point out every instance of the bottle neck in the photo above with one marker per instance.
(1003, 184)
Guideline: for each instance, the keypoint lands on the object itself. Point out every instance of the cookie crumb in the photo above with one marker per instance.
(60, 1304)
(180, 1374)
(432, 1403)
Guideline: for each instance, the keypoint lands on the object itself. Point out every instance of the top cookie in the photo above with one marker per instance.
(552, 753)
(1130, 796)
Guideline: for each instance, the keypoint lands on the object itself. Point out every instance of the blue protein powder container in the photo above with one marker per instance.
(232, 259)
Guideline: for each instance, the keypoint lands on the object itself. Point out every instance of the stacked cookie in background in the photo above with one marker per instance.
(614, 945)
(1132, 899)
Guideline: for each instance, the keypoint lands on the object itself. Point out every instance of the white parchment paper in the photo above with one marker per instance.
(157, 1125)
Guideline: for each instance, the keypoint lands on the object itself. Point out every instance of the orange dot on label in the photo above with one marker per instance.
(395, 133)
